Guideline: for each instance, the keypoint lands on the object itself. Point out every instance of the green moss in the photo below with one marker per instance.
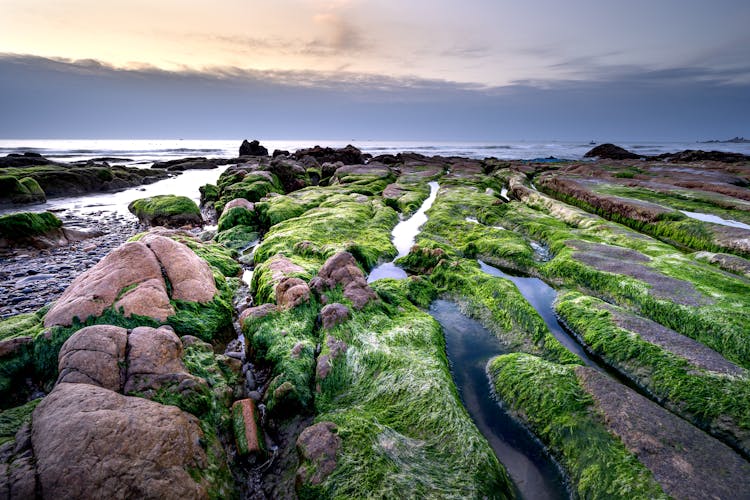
(263, 284)
(398, 414)
(550, 400)
(209, 193)
(219, 257)
(23, 325)
(211, 322)
(20, 190)
(238, 237)
(163, 205)
(418, 290)
(236, 216)
(27, 224)
(341, 223)
(252, 187)
(718, 403)
(286, 341)
(13, 419)
(278, 209)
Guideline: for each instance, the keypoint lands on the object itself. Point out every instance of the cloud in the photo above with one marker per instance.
(43, 97)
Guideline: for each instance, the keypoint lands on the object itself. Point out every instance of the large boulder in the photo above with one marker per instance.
(166, 210)
(95, 290)
(252, 148)
(611, 152)
(190, 276)
(95, 355)
(155, 362)
(24, 190)
(130, 278)
(91, 442)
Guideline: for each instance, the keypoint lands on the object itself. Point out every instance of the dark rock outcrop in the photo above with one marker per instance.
(611, 152)
(348, 155)
(182, 164)
(691, 155)
(252, 148)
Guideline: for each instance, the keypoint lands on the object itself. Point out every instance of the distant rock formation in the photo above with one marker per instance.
(252, 148)
(611, 152)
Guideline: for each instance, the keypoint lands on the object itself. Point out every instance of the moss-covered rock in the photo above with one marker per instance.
(166, 210)
(23, 190)
(236, 216)
(396, 413)
(550, 400)
(24, 225)
(12, 419)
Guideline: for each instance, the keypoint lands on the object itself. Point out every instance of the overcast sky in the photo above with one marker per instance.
(430, 70)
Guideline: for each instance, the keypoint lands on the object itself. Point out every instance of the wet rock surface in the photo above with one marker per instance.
(682, 458)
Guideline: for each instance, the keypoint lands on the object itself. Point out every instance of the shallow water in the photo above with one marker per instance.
(469, 347)
(715, 219)
(542, 296)
(403, 237)
(185, 184)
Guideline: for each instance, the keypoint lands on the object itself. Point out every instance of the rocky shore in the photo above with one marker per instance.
(252, 359)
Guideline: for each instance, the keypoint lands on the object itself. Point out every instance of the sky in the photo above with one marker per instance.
(343, 69)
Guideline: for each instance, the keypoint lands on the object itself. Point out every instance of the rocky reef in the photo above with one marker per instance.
(254, 360)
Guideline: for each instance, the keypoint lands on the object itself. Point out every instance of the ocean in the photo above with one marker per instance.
(142, 153)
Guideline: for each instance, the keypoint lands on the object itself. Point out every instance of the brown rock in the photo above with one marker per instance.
(317, 446)
(96, 289)
(334, 314)
(190, 276)
(11, 347)
(256, 312)
(291, 292)
(247, 434)
(95, 355)
(240, 202)
(155, 362)
(325, 361)
(90, 442)
(342, 269)
(148, 298)
(22, 478)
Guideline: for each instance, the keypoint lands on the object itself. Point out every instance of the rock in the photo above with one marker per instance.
(23, 190)
(190, 276)
(12, 347)
(611, 152)
(22, 478)
(96, 289)
(155, 362)
(166, 210)
(325, 361)
(90, 442)
(317, 446)
(291, 292)
(257, 312)
(690, 155)
(246, 430)
(348, 155)
(342, 269)
(280, 152)
(182, 164)
(240, 202)
(148, 298)
(292, 175)
(94, 355)
(252, 148)
(334, 314)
